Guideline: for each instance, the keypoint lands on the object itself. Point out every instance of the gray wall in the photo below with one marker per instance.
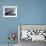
(29, 12)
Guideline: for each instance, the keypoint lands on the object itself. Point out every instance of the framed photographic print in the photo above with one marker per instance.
(33, 32)
(9, 11)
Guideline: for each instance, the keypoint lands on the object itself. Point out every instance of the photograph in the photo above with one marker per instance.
(30, 33)
(9, 11)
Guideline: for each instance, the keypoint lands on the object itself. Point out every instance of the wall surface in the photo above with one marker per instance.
(29, 12)
(7, 25)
